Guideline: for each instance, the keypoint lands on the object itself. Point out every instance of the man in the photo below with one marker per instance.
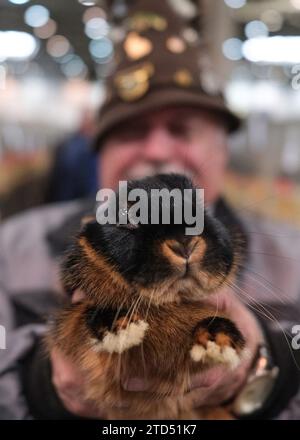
(73, 174)
(157, 118)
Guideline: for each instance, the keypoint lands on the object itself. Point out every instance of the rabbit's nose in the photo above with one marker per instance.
(183, 247)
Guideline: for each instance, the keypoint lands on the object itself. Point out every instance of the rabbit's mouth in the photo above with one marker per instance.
(190, 283)
(196, 271)
(194, 286)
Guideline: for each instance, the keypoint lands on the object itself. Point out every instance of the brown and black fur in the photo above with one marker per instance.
(132, 275)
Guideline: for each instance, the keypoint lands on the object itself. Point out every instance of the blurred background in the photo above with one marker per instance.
(55, 56)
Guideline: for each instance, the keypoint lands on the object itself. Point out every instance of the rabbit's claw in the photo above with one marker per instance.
(217, 340)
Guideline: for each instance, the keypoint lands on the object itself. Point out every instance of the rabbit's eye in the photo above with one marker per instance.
(126, 220)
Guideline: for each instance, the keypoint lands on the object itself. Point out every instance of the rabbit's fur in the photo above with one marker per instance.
(145, 315)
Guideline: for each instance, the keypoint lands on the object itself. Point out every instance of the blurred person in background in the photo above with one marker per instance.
(74, 171)
(158, 117)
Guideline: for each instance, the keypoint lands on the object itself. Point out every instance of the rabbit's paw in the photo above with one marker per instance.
(217, 341)
(116, 335)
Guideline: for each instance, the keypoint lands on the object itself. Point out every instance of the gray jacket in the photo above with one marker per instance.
(31, 246)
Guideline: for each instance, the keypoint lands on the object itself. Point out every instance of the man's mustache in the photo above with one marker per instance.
(148, 169)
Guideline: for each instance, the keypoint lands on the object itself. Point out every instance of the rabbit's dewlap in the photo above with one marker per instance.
(145, 313)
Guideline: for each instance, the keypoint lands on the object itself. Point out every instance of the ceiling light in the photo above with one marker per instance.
(117, 34)
(235, 4)
(96, 28)
(190, 35)
(185, 8)
(93, 13)
(232, 49)
(273, 50)
(47, 30)
(75, 68)
(66, 58)
(256, 28)
(19, 2)
(87, 2)
(101, 49)
(58, 46)
(17, 45)
(36, 16)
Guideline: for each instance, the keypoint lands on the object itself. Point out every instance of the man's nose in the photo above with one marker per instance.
(158, 145)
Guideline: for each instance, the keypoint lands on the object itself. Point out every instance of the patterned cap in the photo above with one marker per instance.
(160, 62)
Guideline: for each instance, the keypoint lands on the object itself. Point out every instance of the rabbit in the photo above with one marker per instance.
(144, 314)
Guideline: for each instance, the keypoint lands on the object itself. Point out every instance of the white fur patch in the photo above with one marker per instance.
(124, 339)
(215, 354)
(198, 353)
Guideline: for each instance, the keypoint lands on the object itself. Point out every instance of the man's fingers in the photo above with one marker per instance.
(81, 408)
(208, 378)
(64, 370)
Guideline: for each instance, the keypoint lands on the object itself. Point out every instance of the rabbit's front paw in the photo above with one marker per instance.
(115, 334)
(217, 341)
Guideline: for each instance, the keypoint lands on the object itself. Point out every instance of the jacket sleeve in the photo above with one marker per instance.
(18, 340)
(14, 344)
(26, 389)
(29, 291)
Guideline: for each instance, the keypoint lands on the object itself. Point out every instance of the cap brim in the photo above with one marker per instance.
(124, 111)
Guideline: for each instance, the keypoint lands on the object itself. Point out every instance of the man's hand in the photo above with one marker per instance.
(69, 383)
(217, 385)
(212, 387)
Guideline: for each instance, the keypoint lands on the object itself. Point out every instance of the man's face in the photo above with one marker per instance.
(182, 140)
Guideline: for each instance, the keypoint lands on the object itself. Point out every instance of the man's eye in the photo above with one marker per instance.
(132, 134)
(178, 130)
